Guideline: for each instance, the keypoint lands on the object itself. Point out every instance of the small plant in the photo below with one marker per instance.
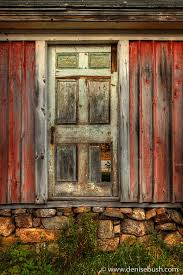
(21, 259)
(78, 254)
(77, 239)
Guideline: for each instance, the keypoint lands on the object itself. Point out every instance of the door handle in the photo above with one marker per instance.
(52, 140)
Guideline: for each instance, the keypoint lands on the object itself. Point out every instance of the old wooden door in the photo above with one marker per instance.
(82, 122)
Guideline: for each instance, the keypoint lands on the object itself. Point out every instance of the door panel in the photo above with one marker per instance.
(99, 101)
(83, 156)
(67, 101)
(66, 157)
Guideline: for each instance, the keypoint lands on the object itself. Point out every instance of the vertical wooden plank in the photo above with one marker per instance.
(67, 91)
(114, 134)
(51, 120)
(177, 124)
(66, 157)
(134, 67)
(15, 95)
(28, 107)
(94, 163)
(83, 102)
(41, 123)
(99, 101)
(4, 46)
(146, 129)
(162, 114)
(82, 165)
(124, 150)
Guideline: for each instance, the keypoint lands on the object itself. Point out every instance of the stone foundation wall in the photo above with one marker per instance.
(114, 227)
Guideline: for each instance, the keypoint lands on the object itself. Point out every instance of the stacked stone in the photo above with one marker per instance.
(115, 225)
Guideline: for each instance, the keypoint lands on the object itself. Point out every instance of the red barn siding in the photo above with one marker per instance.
(3, 120)
(177, 121)
(133, 98)
(159, 88)
(17, 136)
(145, 130)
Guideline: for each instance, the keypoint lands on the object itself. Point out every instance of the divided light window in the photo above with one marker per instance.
(82, 121)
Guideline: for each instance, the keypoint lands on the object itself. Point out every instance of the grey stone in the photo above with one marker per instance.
(45, 213)
(137, 214)
(81, 209)
(105, 229)
(98, 209)
(55, 222)
(175, 216)
(166, 227)
(137, 228)
(113, 213)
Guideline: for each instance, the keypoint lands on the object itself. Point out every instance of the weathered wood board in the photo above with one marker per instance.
(94, 164)
(4, 50)
(134, 68)
(177, 123)
(17, 92)
(66, 157)
(156, 72)
(99, 101)
(67, 101)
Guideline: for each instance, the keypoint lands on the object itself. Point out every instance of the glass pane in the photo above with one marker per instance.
(100, 162)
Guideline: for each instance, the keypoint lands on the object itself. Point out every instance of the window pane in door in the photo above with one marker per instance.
(100, 163)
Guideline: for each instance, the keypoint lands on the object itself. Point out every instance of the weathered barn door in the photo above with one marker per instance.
(82, 121)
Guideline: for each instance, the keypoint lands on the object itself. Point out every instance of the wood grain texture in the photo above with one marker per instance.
(90, 3)
(146, 121)
(99, 101)
(162, 122)
(41, 123)
(94, 163)
(124, 152)
(4, 48)
(28, 122)
(83, 134)
(134, 72)
(67, 91)
(14, 115)
(66, 156)
(85, 11)
(177, 124)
